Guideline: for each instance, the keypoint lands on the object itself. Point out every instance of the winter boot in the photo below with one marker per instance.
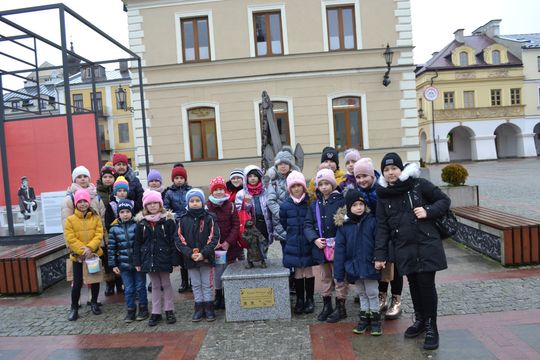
(219, 303)
(109, 288)
(339, 312)
(130, 316)
(95, 308)
(73, 313)
(198, 314)
(143, 313)
(184, 285)
(327, 308)
(300, 298)
(309, 305)
(154, 319)
(169, 317)
(432, 334)
(394, 310)
(209, 310)
(383, 302)
(376, 328)
(119, 285)
(363, 324)
(417, 328)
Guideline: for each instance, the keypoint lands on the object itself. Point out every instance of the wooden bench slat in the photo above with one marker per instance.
(493, 218)
(25, 276)
(3, 278)
(479, 210)
(508, 247)
(526, 244)
(516, 240)
(16, 267)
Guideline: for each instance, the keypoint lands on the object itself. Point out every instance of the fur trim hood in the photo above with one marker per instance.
(411, 170)
(169, 215)
(341, 218)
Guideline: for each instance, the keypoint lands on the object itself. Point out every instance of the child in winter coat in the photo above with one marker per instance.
(121, 244)
(198, 235)
(175, 201)
(122, 168)
(235, 183)
(366, 180)
(155, 182)
(154, 253)
(253, 198)
(83, 232)
(351, 157)
(104, 184)
(120, 192)
(329, 160)
(298, 249)
(353, 258)
(227, 218)
(321, 230)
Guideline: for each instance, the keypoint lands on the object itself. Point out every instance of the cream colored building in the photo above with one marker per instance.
(206, 63)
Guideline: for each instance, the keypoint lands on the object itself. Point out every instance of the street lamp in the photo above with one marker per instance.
(388, 55)
(121, 100)
(421, 113)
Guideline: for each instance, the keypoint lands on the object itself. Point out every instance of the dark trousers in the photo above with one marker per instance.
(77, 286)
(397, 284)
(423, 293)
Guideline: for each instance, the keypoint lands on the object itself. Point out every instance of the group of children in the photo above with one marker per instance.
(326, 222)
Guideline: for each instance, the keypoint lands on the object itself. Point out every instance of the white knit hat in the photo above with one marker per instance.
(79, 170)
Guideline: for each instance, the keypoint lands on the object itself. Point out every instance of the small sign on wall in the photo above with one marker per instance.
(51, 203)
(256, 298)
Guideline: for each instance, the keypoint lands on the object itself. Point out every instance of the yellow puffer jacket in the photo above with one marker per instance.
(84, 231)
(339, 175)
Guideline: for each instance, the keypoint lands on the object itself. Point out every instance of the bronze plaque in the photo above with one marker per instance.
(256, 298)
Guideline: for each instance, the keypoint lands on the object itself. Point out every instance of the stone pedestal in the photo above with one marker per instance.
(257, 293)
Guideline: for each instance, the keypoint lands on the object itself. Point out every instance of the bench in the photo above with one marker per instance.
(507, 238)
(34, 267)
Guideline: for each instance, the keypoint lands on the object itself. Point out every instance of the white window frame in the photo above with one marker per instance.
(290, 115)
(185, 128)
(266, 8)
(356, 4)
(183, 15)
(363, 112)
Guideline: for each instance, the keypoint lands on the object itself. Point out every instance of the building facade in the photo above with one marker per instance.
(482, 111)
(206, 63)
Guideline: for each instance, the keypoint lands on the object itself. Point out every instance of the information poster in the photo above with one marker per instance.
(51, 203)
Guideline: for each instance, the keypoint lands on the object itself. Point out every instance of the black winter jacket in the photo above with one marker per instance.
(121, 244)
(414, 245)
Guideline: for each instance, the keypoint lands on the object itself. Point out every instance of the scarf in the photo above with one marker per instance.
(159, 189)
(255, 190)
(298, 200)
(398, 188)
(219, 202)
(196, 213)
(91, 189)
(154, 217)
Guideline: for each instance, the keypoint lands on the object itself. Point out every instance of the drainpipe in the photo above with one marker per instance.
(435, 145)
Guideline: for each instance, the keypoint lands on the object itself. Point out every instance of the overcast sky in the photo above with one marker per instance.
(434, 22)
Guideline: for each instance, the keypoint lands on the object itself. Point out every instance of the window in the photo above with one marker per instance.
(468, 99)
(281, 112)
(202, 133)
(495, 97)
(15, 105)
(515, 96)
(195, 39)
(78, 104)
(538, 61)
(99, 102)
(341, 28)
(268, 34)
(123, 133)
(463, 58)
(449, 100)
(495, 57)
(347, 123)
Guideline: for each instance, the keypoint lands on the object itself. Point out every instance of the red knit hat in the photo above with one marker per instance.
(178, 171)
(216, 183)
(119, 158)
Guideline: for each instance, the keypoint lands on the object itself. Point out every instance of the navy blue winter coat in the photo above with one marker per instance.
(355, 246)
(298, 252)
(175, 200)
(328, 209)
(121, 244)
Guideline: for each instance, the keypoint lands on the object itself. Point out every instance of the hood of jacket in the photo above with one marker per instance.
(411, 170)
(169, 215)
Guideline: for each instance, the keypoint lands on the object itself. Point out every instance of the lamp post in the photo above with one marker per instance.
(121, 100)
(388, 55)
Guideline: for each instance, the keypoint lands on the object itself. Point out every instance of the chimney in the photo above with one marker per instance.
(123, 67)
(458, 35)
(490, 29)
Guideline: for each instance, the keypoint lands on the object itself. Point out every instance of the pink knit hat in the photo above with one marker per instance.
(326, 174)
(81, 194)
(151, 196)
(351, 154)
(294, 178)
(364, 166)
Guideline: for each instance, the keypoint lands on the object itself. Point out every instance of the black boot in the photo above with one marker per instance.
(154, 319)
(363, 324)
(209, 311)
(169, 317)
(95, 308)
(327, 308)
(109, 288)
(119, 285)
(432, 334)
(184, 285)
(143, 313)
(299, 306)
(309, 305)
(339, 312)
(130, 316)
(73, 313)
(417, 328)
(376, 328)
(198, 313)
(219, 302)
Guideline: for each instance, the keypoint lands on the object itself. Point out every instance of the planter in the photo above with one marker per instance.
(465, 195)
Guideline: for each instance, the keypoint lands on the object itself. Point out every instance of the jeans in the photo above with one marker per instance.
(134, 282)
